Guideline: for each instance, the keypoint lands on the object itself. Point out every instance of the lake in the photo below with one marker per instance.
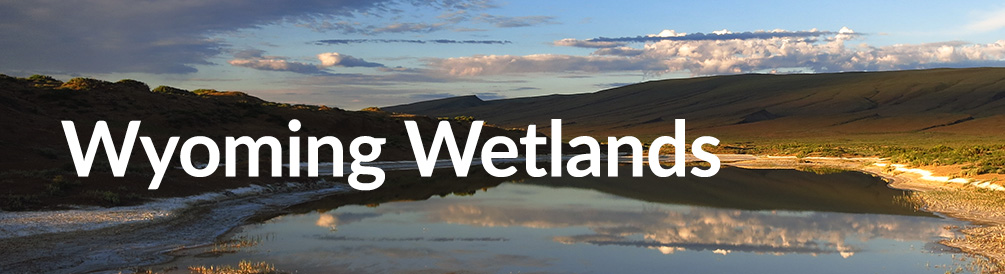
(739, 221)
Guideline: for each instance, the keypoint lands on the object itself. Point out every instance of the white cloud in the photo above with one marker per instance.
(255, 60)
(275, 63)
(992, 21)
(668, 33)
(159, 36)
(411, 27)
(822, 53)
(619, 51)
(570, 42)
(722, 32)
(329, 59)
(510, 64)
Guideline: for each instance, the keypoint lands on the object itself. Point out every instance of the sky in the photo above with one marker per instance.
(354, 54)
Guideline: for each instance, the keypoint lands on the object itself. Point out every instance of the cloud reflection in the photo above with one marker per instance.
(670, 229)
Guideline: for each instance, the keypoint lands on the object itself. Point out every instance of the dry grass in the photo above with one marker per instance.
(983, 202)
(976, 204)
(244, 267)
(236, 244)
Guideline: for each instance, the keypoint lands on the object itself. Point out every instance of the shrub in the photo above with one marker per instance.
(59, 185)
(110, 198)
(204, 91)
(44, 81)
(81, 83)
(466, 119)
(18, 202)
(242, 267)
(132, 85)
(170, 90)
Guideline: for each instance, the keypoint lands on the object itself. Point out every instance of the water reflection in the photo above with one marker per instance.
(775, 221)
(675, 227)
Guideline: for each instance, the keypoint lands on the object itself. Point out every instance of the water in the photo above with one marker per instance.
(739, 221)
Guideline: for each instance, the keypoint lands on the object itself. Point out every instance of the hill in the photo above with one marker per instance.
(862, 105)
(36, 170)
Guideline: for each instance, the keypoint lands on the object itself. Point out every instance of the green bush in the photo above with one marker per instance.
(466, 119)
(81, 83)
(204, 91)
(44, 81)
(170, 90)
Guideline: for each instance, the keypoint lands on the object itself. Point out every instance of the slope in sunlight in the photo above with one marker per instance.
(965, 101)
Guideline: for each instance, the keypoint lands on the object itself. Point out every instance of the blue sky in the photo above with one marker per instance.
(353, 54)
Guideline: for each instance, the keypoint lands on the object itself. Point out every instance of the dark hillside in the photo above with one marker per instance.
(953, 101)
(37, 168)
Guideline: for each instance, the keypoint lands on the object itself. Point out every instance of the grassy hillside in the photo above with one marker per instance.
(37, 171)
(930, 102)
(939, 117)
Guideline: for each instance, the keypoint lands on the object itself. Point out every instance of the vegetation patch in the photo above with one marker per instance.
(822, 170)
(974, 159)
(244, 267)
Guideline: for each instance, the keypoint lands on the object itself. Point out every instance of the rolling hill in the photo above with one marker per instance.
(930, 102)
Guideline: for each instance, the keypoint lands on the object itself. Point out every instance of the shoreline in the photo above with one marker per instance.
(147, 234)
(148, 242)
(984, 238)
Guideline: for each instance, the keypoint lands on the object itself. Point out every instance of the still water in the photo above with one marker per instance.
(739, 221)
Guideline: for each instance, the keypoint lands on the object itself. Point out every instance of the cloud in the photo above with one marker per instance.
(400, 69)
(992, 21)
(570, 42)
(410, 27)
(730, 53)
(619, 51)
(256, 60)
(452, 19)
(407, 79)
(329, 59)
(361, 79)
(709, 57)
(515, 21)
(249, 53)
(671, 35)
(510, 64)
(345, 27)
(153, 36)
(412, 41)
(275, 65)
